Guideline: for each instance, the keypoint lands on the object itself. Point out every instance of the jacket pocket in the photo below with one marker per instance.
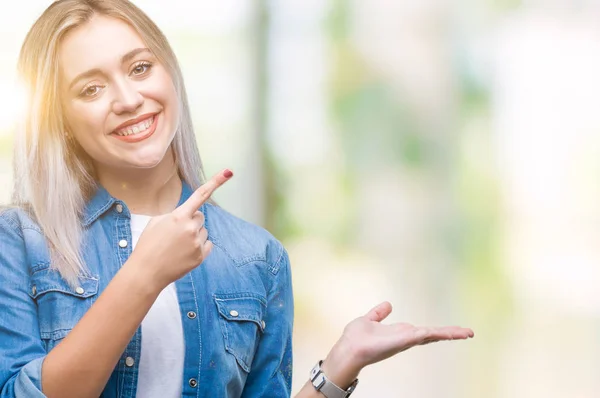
(60, 306)
(241, 319)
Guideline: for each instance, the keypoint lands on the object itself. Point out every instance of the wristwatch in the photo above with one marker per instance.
(326, 386)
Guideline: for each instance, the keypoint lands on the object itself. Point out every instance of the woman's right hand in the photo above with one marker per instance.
(175, 243)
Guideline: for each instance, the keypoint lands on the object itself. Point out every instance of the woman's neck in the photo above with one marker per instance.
(151, 192)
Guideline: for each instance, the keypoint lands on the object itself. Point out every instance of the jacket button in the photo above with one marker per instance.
(193, 383)
(119, 208)
(233, 313)
(79, 290)
(123, 243)
(191, 314)
(129, 362)
(34, 290)
(264, 324)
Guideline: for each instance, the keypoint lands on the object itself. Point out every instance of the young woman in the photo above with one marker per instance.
(119, 277)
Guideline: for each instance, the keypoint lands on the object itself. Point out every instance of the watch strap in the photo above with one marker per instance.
(326, 386)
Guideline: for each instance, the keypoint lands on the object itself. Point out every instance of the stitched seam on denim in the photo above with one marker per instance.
(199, 332)
(216, 242)
(43, 266)
(233, 296)
(133, 382)
(287, 341)
(228, 348)
(18, 225)
(214, 239)
(240, 318)
(39, 266)
(137, 356)
(224, 321)
(119, 250)
(95, 215)
(55, 287)
(255, 258)
(244, 261)
(278, 262)
(238, 357)
(116, 234)
(32, 227)
(12, 225)
(121, 379)
(64, 291)
(205, 213)
(225, 329)
(274, 270)
(55, 334)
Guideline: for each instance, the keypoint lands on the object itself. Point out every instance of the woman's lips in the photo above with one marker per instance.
(140, 135)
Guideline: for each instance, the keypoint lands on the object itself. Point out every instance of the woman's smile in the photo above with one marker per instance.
(138, 129)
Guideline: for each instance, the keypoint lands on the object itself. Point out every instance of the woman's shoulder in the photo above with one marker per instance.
(21, 240)
(14, 219)
(243, 241)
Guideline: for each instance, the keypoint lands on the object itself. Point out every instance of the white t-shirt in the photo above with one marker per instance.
(163, 348)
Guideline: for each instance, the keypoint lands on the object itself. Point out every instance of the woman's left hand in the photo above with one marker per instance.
(366, 340)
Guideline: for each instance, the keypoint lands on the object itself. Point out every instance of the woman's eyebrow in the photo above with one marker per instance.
(85, 75)
(131, 54)
(125, 58)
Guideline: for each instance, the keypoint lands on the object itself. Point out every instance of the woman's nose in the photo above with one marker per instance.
(128, 98)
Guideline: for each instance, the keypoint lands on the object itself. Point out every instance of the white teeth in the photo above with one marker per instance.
(136, 128)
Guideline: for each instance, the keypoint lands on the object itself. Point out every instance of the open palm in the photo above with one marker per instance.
(366, 340)
(373, 341)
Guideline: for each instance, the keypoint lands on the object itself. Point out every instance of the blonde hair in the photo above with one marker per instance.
(53, 176)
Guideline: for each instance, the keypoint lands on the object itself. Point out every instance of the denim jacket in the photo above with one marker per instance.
(247, 274)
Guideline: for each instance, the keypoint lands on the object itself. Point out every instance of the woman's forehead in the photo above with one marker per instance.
(98, 44)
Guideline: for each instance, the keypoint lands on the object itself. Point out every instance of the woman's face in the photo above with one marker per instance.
(119, 102)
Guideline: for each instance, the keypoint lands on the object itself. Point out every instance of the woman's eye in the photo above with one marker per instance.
(141, 68)
(90, 91)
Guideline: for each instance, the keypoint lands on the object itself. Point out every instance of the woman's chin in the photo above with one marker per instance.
(148, 160)
(146, 164)
(141, 163)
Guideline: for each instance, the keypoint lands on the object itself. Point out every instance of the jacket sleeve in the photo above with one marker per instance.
(271, 372)
(21, 349)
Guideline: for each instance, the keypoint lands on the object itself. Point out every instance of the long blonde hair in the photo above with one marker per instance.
(54, 178)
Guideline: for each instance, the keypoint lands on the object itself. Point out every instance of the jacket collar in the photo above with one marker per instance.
(102, 201)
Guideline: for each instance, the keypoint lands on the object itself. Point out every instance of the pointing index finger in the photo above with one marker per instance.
(202, 194)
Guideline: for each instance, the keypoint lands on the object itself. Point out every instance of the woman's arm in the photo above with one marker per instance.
(366, 341)
(170, 247)
(81, 364)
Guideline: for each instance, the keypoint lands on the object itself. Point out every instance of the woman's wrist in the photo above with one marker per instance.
(140, 274)
(340, 365)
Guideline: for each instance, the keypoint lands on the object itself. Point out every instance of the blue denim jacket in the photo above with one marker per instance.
(249, 355)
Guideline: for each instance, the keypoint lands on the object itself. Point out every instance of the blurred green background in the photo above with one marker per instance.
(444, 156)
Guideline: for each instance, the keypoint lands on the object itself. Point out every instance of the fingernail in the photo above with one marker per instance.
(227, 173)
